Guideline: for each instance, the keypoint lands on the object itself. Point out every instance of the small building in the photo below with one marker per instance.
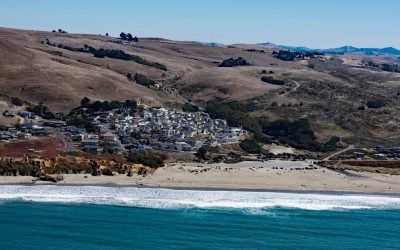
(22, 135)
(54, 124)
(108, 136)
(359, 155)
(380, 156)
(182, 146)
(27, 115)
(91, 144)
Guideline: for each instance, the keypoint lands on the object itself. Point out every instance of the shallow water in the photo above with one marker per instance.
(52, 217)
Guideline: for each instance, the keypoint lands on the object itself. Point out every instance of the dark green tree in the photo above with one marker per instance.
(129, 37)
(85, 101)
(122, 36)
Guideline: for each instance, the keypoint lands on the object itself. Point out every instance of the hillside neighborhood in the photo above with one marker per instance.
(118, 131)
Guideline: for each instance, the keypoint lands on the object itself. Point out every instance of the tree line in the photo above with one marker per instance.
(128, 37)
(114, 54)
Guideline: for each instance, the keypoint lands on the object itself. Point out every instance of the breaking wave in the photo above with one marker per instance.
(171, 199)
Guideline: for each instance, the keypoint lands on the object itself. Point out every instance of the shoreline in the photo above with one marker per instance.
(211, 189)
(270, 176)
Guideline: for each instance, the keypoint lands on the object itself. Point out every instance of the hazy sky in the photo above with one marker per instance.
(312, 23)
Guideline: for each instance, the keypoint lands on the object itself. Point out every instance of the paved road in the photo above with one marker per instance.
(68, 147)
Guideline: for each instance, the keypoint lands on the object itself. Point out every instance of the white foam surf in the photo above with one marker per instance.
(170, 198)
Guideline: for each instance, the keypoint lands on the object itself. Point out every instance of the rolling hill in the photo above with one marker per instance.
(335, 93)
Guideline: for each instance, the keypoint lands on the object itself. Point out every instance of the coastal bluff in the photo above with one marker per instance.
(28, 165)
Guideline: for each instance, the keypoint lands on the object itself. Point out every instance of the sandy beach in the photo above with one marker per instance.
(269, 175)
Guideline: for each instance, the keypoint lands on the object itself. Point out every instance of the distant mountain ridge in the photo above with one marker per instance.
(340, 50)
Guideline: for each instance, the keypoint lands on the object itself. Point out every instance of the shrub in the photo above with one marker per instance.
(81, 122)
(143, 80)
(42, 111)
(271, 80)
(233, 62)
(85, 101)
(188, 107)
(250, 146)
(331, 144)
(149, 159)
(362, 107)
(16, 101)
(204, 151)
(375, 104)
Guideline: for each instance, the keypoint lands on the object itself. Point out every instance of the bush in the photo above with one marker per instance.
(331, 144)
(81, 122)
(85, 101)
(42, 111)
(271, 80)
(16, 101)
(188, 107)
(143, 80)
(233, 62)
(204, 151)
(375, 104)
(149, 159)
(250, 146)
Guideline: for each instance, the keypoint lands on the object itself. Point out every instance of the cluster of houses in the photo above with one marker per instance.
(120, 132)
(378, 153)
(22, 130)
(10, 133)
(154, 128)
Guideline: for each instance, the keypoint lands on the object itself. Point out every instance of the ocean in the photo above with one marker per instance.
(83, 217)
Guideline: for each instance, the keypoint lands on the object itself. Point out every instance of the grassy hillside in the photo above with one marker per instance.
(332, 91)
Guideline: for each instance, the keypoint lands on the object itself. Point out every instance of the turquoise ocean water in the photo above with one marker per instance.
(47, 217)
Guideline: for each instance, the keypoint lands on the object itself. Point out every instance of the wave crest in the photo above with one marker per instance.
(171, 199)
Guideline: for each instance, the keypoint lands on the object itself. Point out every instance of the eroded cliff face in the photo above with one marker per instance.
(36, 166)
